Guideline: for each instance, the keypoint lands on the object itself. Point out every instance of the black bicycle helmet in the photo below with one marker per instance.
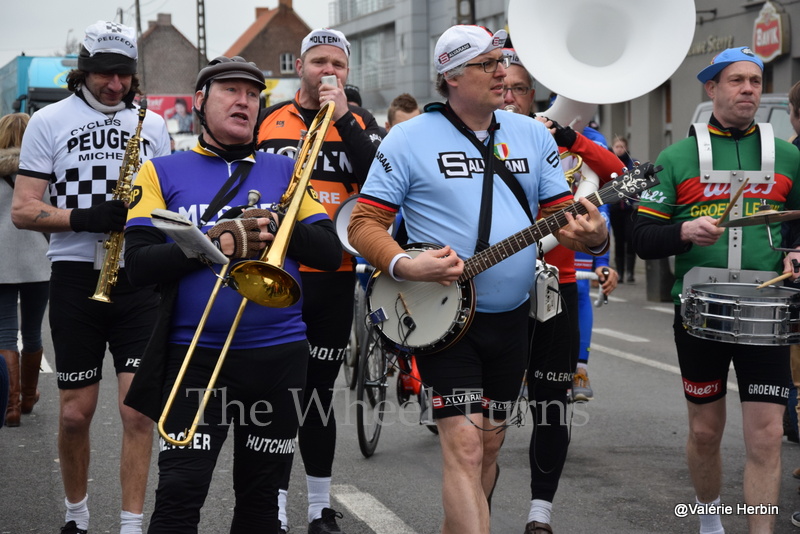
(225, 68)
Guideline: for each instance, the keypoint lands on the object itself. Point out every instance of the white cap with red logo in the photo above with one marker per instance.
(463, 42)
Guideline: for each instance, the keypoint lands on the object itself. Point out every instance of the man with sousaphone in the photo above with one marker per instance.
(556, 342)
(203, 323)
(432, 167)
(706, 212)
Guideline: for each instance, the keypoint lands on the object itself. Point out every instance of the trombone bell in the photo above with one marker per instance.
(265, 284)
(264, 281)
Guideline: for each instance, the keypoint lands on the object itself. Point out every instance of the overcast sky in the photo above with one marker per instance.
(42, 27)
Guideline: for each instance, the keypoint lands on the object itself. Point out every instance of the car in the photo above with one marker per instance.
(774, 109)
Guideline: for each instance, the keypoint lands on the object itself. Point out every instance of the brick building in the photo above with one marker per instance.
(273, 41)
(168, 62)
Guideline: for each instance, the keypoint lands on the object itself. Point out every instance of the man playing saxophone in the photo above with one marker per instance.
(109, 270)
(260, 384)
(73, 150)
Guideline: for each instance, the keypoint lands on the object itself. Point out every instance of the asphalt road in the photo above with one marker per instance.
(625, 471)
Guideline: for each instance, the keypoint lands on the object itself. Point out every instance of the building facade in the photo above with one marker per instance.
(393, 41)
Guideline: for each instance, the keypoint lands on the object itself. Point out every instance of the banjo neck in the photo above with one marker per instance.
(426, 317)
(509, 246)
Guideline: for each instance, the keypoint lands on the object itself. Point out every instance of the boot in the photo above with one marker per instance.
(12, 362)
(30, 363)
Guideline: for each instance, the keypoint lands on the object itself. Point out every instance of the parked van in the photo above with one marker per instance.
(774, 109)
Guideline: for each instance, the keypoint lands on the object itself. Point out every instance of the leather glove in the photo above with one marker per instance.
(245, 232)
(255, 213)
(109, 216)
(564, 136)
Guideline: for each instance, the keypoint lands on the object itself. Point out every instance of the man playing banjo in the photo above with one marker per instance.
(432, 167)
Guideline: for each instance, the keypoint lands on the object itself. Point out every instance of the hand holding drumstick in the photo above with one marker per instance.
(784, 276)
(732, 202)
(705, 231)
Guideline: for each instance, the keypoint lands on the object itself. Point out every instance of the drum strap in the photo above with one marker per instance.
(735, 178)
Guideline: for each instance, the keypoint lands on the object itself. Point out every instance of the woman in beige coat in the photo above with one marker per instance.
(24, 280)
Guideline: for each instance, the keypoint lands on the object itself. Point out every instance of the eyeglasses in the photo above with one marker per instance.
(519, 90)
(490, 65)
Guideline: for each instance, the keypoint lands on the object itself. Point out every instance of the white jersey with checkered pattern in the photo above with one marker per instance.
(80, 151)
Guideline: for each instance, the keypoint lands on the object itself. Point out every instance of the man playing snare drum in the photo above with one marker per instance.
(679, 217)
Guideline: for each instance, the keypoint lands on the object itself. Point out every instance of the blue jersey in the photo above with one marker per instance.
(163, 183)
(431, 171)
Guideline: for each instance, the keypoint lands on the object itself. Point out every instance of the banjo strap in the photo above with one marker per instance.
(489, 159)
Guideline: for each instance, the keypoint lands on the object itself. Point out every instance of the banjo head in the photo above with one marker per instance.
(419, 317)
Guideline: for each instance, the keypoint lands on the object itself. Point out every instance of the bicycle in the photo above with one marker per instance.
(375, 365)
(359, 328)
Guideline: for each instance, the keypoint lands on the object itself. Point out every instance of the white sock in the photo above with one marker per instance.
(283, 495)
(540, 511)
(78, 512)
(319, 496)
(584, 366)
(130, 523)
(710, 523)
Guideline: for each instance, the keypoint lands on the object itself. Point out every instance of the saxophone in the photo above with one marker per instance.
(122, 191)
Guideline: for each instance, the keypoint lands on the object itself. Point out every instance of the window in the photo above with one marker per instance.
(287, 63)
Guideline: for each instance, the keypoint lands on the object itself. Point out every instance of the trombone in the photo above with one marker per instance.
(264, 281)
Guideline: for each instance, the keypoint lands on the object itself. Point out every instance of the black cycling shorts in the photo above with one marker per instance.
(555, 344)
(482, 372)
(81, 327)
(762, 372)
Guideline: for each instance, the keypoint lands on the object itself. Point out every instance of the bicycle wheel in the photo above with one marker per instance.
(350, 364)
(370, 394)
(358, 334)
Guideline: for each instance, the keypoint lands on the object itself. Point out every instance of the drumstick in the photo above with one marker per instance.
(784, 276)
(732, 202)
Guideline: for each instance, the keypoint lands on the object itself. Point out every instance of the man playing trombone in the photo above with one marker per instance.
(257, 388)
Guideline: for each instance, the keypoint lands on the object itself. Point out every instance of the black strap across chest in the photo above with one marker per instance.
(489, 159)
(227, 192)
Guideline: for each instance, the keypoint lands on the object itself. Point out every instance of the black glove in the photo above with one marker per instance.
(564, 136)
(245, 232)
(110, 216)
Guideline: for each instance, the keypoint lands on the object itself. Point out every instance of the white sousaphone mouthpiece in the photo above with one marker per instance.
(512, 108)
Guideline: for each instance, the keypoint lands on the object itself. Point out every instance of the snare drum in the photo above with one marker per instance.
(740, 313)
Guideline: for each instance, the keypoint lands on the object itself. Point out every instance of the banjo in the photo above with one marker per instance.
(426, 317)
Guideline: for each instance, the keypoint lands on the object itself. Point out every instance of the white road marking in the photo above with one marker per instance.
(619, 335)
(663, 309)
(646, 361)
(369, 510)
